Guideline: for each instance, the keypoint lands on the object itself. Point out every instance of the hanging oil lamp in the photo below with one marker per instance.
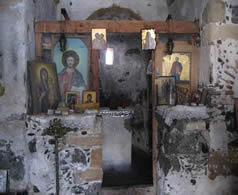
(170, 46)
(170, 43)
(62, 42)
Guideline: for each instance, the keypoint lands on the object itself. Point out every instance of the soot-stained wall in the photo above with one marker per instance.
(125, 80)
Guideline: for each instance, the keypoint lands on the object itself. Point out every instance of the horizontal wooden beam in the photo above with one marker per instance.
(122, 26)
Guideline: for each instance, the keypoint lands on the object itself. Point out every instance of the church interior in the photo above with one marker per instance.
(119, 97)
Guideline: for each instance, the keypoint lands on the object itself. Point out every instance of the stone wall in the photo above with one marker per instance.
(80, 155)
(193, 152)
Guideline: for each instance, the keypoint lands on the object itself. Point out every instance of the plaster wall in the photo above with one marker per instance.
(17, 47)
(13, 48)
(80, 10)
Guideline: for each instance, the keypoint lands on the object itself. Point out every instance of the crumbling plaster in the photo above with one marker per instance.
(193, 154)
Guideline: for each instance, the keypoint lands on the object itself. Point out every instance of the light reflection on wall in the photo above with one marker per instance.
(109, 56)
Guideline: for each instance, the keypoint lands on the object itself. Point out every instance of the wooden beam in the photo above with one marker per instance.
(122, 26)
(38, 45)
(154, 126)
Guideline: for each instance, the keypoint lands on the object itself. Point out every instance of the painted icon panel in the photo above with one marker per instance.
(177, 65)
(72, 65)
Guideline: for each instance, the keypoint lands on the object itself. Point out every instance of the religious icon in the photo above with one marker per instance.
(72, 65)
(148, 39)
(99, 39)
(177, 65)
(72, 98)
(44, 87)
(183, 95)
(89, 97)
(166, 93)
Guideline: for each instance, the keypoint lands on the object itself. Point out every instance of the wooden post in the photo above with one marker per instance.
(154, 126)
(95, 71)
(38, 45)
